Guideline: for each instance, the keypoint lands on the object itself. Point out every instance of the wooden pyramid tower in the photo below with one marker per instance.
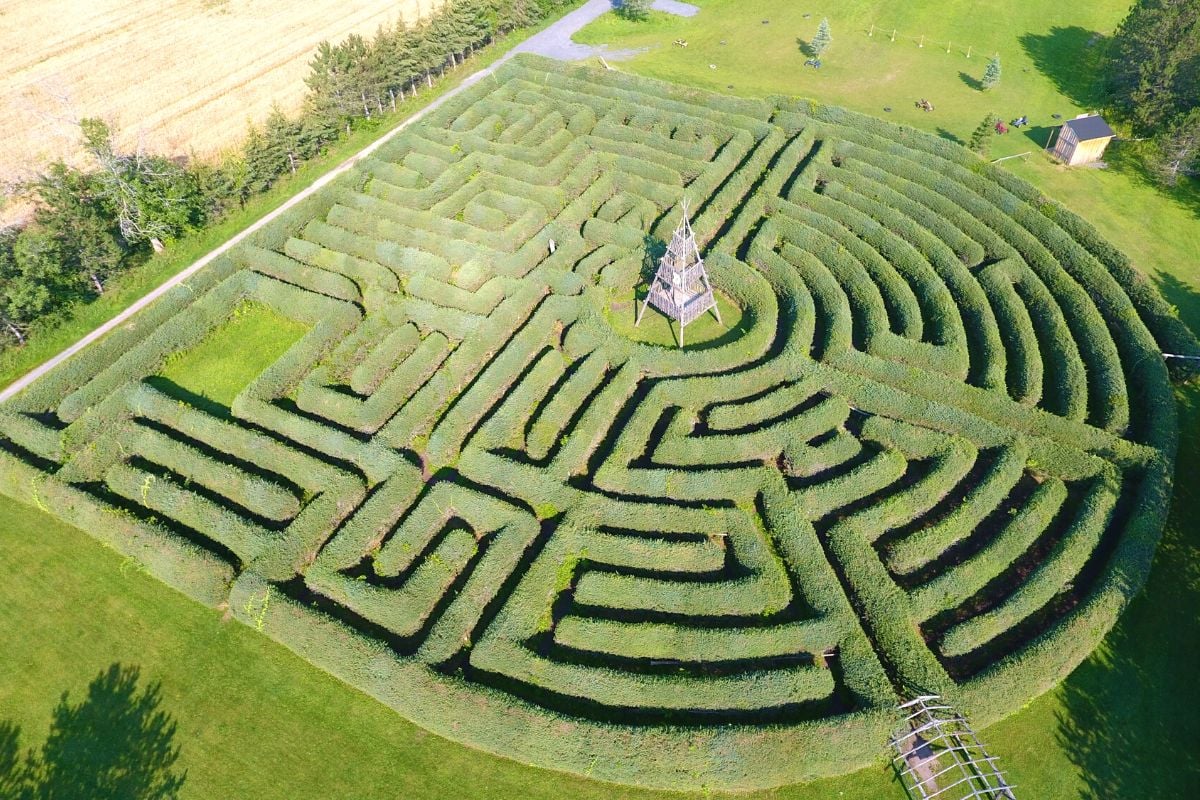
(681, 288)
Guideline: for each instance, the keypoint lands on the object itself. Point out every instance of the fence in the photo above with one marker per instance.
(891, 34)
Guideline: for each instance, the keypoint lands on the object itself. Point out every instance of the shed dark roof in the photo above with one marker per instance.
(1087, 128)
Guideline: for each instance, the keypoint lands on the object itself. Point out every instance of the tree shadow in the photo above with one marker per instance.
(114, 744)
(1128, 158)
(971, 81)
(1184, 297)
(805, 47)
(653, 249)
(1127, 716)
(950, 137)
(11, 770)
(177, 392)
(1072, 58)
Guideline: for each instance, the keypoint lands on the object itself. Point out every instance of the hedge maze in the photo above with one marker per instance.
(937, 458)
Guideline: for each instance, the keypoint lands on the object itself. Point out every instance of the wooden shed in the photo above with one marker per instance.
(1082, 140)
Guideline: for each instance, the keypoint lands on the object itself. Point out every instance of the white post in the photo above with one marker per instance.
(922, 44)
(893, 34)
(872, 31)
(968, 51)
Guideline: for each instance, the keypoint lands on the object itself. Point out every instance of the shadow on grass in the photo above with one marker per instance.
(176, 392)
(11, 772)
(1128, 158)
(950, 137)
(653, 251)
(1184, 297)
(1128, 716)
(1040, 135)
(1072, 58)
(114, 744)
(971, 81)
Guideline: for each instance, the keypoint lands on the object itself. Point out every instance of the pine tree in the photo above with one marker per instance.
(1153, 64)
(331, 100)
(991, 73)
(820, 43)
(981, 139)
(71, 208)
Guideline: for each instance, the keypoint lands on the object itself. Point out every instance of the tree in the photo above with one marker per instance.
(72, 209)
(1175, 151)
(31, 277)
(981, 139)
(636, 10)
(331, 96)
(1153, 65)
(991, 73)
(820, 43)
(152, 197)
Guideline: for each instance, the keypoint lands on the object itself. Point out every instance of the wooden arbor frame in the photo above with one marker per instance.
(681, 288)
(938, 755)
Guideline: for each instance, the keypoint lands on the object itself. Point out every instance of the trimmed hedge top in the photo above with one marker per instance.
(935, 456)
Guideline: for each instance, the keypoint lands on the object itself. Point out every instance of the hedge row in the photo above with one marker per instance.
(1051, 577)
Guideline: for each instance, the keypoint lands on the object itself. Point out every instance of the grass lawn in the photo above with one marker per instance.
(233, 354)
(256, 721)
(656, 328)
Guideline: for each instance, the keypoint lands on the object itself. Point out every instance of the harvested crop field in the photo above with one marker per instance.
(184, 75)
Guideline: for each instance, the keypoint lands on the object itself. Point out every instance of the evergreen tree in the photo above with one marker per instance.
(262, 162)
(981, 139)
(1153, 68)
(72, 210)
(331, 95)
(634, 9)
(991, 73)
(820, 43)
(220, 184)
(287, 141)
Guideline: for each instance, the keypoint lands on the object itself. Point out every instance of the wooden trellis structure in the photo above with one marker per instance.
(938, 755)
(681, 288)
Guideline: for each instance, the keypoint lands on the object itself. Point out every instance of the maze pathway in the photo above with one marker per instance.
(935, 457)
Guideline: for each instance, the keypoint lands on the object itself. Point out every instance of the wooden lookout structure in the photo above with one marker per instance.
(938, 755)
(1082, 140)
(681, 288)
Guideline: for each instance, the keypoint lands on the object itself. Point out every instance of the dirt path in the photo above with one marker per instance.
(554, 41)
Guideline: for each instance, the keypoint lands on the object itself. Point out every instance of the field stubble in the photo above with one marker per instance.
(178, 77)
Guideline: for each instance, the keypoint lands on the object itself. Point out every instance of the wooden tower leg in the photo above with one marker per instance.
(645, 303)
(717, 312)
(682, 325)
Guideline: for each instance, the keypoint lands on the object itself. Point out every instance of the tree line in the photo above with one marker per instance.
(92, 223)
(1152, 78)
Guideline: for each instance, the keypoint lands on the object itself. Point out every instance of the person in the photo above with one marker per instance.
(1001, 127)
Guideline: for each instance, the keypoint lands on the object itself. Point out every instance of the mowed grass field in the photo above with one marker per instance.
(256, 721)
(178, 76)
